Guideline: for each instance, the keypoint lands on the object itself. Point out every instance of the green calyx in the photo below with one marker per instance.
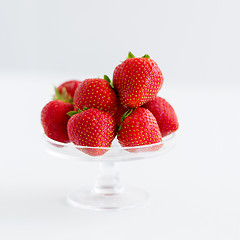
(71, 113)
(125, 115)
(62, 96)
(130, 55)
(146, 56)
(58, 95)
(108, 80)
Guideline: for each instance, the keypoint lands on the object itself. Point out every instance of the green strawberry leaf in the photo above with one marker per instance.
(63, 97)
(71, 113)
(58, 95)
(108, 80)
(130, 55)
(146, 56)
(125, 115)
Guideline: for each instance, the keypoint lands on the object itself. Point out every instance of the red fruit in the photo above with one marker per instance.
(54, 120)
(139, 128)
(164, 114)
(119, 113)
(95, 93)
(92, 128)
(137, 81)
(66, 90)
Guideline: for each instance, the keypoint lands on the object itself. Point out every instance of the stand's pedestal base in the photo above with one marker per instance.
(124, 199)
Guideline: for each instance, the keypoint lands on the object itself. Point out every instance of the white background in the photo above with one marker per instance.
(194, 189)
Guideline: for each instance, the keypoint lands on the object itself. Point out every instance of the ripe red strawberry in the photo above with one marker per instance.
(119, 113)
(137, 80)
(92, 128)
(54, 120)
(66, 90)
(139, 128)
(164, 114)
(95, 93)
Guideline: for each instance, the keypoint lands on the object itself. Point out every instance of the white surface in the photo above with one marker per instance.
(194, 190)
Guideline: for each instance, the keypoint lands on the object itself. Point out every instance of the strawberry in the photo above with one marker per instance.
(137, 80)
(139, 127)
(92, 128)
(95, 93)
(54, 120)
(164, 114)
(66, 90)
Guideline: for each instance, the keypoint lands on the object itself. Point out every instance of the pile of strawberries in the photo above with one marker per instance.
(95, 111)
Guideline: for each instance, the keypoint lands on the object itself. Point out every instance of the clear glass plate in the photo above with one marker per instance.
(108, 193)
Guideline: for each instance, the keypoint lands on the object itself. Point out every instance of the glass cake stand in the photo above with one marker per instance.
(107, 193)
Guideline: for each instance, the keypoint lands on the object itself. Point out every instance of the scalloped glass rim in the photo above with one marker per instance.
(165, 140)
